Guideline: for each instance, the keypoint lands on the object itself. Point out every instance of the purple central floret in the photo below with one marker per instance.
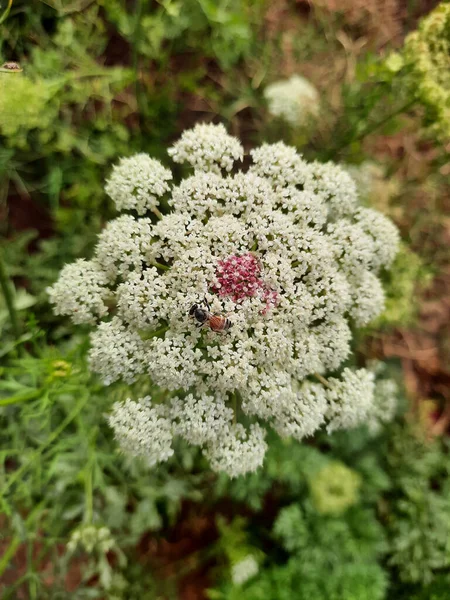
(240, 277)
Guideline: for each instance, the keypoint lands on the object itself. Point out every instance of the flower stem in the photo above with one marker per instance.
(234, 400)
(89, 496)
(5, 13)
(370, 129)
(322, 380)
(6, 285)
(159, 266)
(157, 212)
(139, 93)
(31, 395)
(10, 552)
(37, 453)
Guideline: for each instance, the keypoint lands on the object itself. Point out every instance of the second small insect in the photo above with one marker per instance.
(201, 312)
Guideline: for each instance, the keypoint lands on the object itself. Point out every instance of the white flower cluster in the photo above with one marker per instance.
(207, 148)
(143, 430)
(280, 260)
(294, 100)
(81, 292)
(91, 538)
(244, 570)
(137, 182)
(385, 403)
(350, 399)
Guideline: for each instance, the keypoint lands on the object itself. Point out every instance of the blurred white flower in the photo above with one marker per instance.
(91, 538)
(386, 396)
(244, 570)
(284, 252)
(294, 100)
(369, 299)
(350, 399)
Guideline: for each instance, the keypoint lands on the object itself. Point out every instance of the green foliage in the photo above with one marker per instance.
(308, 543)
(408, 273)
(427, 62)
(334, 488)
(347, 548)
(419, 510)
(397, 530)
(55, 437)
(222, 29)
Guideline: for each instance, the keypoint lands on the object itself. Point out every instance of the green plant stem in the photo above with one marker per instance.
(17, 474)
(139, 93)
(6, 285)
(234, 400)
(89, 493)
(5, 13)
(370, 129)
(322, 380)
(9, 553)
(159, 266)
(24, 397)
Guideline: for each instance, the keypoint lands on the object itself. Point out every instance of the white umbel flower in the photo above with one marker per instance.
(369, 299)
(244, 570)
(384, 234)
(80, 292)
(304, 415)
(237, 451)
(207, 148)
(121, 246)
(137, 183)
(116, 352)
(142, 430)
(200, 419)
(385, 403)
(280, 164)
(139, 299)
(332, 183)
(279, 259)
(350, 399)
(294, 100)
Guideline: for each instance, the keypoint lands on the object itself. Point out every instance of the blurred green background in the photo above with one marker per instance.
(342, 517)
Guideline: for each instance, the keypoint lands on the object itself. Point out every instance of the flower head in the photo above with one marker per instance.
(293, 100)
(80, 292)
(244, 569)
(283, 252)
(137, 182)
(91, 538)
(143, 429)
(207, 148)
